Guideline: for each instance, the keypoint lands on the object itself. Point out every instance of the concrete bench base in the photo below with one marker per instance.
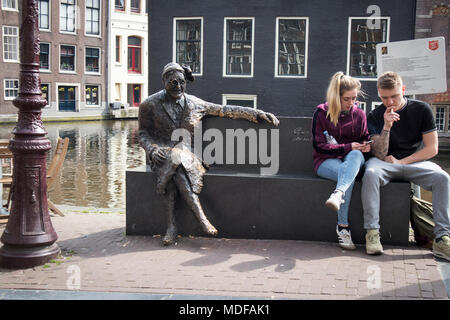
(247, 206)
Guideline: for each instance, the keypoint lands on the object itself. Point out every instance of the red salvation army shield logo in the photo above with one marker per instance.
(433, 44)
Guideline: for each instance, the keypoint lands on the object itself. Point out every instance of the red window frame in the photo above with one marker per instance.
(133, 52)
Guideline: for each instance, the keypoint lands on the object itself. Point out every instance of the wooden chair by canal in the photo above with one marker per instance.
(53, 171)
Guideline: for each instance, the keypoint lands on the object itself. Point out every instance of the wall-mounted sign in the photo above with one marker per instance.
(420, 63)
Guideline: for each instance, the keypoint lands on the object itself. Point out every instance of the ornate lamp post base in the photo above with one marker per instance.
(12, 257)
(29, 237)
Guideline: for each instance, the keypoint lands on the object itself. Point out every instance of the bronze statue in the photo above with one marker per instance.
(178, 168)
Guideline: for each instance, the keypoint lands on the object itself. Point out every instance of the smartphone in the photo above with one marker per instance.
(368, 142)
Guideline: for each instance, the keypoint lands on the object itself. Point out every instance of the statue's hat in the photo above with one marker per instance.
(171, 66)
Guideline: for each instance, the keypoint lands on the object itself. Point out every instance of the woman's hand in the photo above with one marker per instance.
(357, 146)
(363, 147)
(366, 147)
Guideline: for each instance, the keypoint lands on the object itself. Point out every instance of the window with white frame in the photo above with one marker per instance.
(243, 100)
(239, 47)
(44, 56)
(364, 35)
(375, 104)
(188, 43)
(135, 6)
(10, 44)
(67, 58)
(93, 17)
(447, 109)
(291, 47)
(9, 4)
(44, 14)
(92, 95)
(362, 105)
(441, 114)
(67, 16)
(118, 92)
(92, 60)
(45, 89)
(11, 88)
(118, 41)
(442, 117)
(119, 5)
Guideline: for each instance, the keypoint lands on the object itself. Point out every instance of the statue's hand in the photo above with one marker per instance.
(158, 156)
(269, 117)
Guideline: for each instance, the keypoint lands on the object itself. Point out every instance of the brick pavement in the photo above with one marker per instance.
(95, 247)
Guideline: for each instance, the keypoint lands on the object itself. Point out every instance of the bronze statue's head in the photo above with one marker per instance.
(174, 78)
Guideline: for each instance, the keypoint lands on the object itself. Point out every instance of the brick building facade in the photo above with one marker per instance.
(9, 55)
(73, 57)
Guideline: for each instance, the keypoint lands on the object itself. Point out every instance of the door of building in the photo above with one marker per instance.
(66, 98)
(134, 95)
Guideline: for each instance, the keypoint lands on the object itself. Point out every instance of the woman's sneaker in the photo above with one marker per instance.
(335, 200)
(345, 239)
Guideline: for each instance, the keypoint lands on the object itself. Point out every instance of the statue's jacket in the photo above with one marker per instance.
(158, 120)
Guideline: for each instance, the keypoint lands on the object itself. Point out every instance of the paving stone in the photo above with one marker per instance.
(108, 260)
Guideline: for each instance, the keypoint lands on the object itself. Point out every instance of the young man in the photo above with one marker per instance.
(398, 127)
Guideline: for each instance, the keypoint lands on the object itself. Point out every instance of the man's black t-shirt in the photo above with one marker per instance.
(416, 118)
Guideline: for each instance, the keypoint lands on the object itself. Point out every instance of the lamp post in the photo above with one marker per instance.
(29, 237)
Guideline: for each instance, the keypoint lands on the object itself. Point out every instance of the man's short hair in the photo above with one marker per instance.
(389, 80)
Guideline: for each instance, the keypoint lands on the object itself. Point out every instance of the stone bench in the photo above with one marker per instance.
(242, 203)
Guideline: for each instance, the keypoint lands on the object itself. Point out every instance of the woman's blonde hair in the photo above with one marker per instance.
(339, 83)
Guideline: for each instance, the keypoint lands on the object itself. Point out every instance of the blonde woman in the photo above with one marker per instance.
(340, 136)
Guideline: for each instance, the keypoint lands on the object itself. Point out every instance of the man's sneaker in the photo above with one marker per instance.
(441, 248)
(345, 239)
(373, 244)
(334, 201)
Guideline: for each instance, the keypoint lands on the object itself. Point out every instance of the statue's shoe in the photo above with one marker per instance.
(209, 229)
(170, 236)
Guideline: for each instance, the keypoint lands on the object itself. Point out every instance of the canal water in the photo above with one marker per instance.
(93, 174)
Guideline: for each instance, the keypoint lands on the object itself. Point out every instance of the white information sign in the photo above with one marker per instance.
(420, 63)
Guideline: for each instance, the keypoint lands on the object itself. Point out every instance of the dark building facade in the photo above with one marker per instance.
(277, 55)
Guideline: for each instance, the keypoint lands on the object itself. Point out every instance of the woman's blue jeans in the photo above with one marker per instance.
(344, 172)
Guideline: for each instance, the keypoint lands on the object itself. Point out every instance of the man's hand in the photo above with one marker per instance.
(390, 117)
(158, 156)
(392, 159)
(269, 117)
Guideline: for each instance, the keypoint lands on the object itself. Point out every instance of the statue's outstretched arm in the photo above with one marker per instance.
(238, 112)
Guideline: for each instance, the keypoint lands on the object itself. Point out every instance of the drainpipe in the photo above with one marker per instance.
(107, 55)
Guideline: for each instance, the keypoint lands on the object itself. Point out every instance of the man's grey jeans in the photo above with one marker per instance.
(426, 174)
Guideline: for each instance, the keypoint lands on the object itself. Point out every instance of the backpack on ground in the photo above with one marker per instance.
(422, 222)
